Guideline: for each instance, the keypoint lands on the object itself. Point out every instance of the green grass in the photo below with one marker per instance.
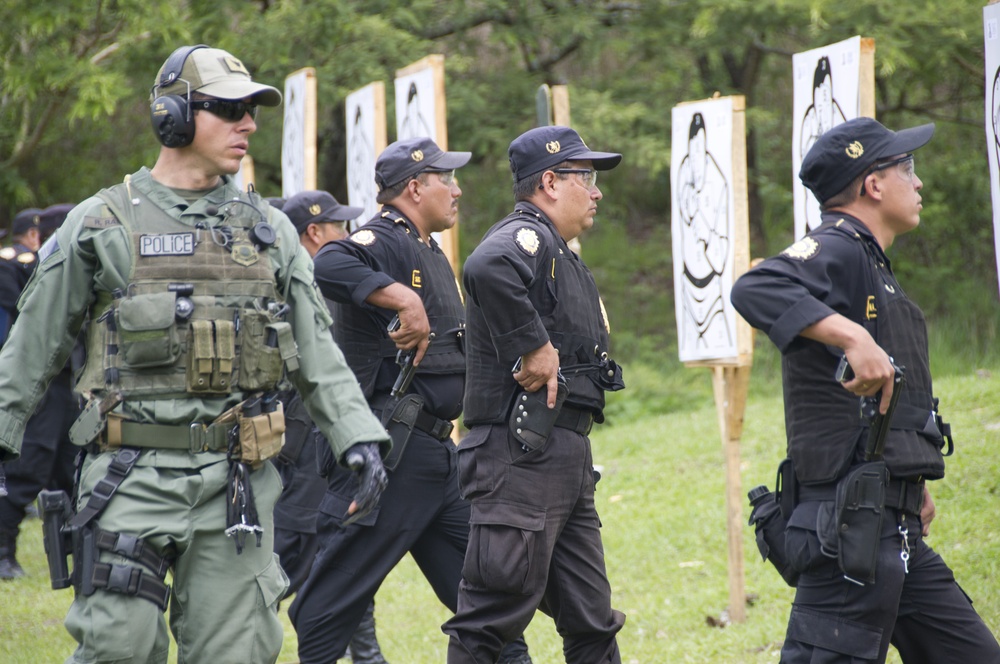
(662, 503)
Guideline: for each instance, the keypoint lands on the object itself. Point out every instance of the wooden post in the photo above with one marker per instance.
(449, 238)
(731, 375)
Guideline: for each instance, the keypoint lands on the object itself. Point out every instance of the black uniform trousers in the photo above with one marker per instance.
(47, 456)
(295, 539)
(421, 513)
(535, 543)
(923, 613)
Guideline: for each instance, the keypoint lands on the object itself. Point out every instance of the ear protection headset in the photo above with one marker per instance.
(171, 114)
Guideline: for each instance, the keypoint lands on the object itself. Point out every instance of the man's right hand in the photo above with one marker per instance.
(540, 368)
(364, 459)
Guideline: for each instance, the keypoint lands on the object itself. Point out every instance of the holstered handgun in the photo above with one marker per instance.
(860, 503)
(56, 512)
(531, 420)
(399, 418)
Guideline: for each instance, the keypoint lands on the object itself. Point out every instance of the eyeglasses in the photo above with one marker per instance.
(446, 177)
(588, 176)
(906, 169)
(227, 109)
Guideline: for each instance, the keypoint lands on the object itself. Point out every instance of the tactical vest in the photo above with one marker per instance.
(826, 434)
(363, 338)
(567, 301)
(201, 316)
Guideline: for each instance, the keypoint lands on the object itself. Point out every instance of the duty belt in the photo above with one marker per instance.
(193, 438)
(435, 427)
(903, 495)
(575, 419)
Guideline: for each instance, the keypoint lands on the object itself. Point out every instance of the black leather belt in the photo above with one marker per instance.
(435, 427)
(903, 495)
(575, 419)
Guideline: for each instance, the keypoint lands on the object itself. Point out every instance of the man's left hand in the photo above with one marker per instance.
(364, 459)
(927, 513)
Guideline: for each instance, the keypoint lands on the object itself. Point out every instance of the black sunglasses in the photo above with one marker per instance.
(227, 109)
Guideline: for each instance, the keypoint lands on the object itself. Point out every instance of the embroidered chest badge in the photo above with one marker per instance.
(527, 240)
(244, 253)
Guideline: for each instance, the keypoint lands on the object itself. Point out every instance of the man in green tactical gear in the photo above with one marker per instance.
(200, 303)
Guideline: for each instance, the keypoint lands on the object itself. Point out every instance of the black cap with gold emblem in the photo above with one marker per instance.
(543, 147)
(317, 207)
(404, 159)
(849, 149)
(25, 220)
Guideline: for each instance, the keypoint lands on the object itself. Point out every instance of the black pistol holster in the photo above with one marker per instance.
(860, 509)
(531, 420)
(399, 418)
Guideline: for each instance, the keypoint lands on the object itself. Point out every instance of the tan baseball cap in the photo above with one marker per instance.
(212, 72)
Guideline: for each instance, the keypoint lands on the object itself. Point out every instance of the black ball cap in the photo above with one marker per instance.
(542, 148)
(849, 149)
(404, 159)
(317, 207)
(25, 220)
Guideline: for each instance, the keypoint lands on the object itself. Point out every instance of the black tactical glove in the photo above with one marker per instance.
(364, 459)
(3, 481)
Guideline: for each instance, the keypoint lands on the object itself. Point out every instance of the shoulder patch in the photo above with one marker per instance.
(364, 237)
(26, 258)
(802, 250)
(8, 253)
(100, 222)
(527, 240)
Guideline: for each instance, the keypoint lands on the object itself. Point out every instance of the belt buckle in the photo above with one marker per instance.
(197, 438)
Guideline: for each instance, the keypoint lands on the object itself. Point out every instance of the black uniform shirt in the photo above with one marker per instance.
(376, 256)
(824, 273)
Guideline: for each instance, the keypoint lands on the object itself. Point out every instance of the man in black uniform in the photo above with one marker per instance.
(319, 219)
(393, 267)
(47, 455)
(526, 463)
(833, 294)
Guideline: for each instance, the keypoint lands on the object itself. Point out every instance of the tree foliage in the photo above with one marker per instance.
(75, 76)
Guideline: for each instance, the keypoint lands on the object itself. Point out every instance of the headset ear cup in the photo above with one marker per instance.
(170, 117)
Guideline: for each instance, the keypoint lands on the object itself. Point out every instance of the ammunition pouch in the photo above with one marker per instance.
(860, 509)
(63, 537)
(786, 488)
(531, 420)
(256, 429)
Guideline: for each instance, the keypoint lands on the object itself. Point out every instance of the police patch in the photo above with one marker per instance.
(802, 250)
(166, 244)
(527, 240)
(364, 237)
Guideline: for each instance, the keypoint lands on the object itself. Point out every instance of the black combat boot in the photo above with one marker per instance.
(9, 568)
(364, 646)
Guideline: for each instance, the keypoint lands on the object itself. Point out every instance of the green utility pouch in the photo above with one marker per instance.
(264, 346)
(211, 356)
(261, 436)
(531, 420)
(148, 334)
(399, 421)
(860, 511)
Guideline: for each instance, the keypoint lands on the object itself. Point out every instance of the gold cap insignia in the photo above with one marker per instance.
(315, 209)
(802, 250)
(527, 240)
(854, 150)
(417, 155)
(364, 237)
(553, 147)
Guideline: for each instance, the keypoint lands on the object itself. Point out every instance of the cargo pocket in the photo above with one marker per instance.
(273, 584)
(829, 634)
(475, 466)
(335, 502)
(802, 544)
(506, 548)
(148, 334)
